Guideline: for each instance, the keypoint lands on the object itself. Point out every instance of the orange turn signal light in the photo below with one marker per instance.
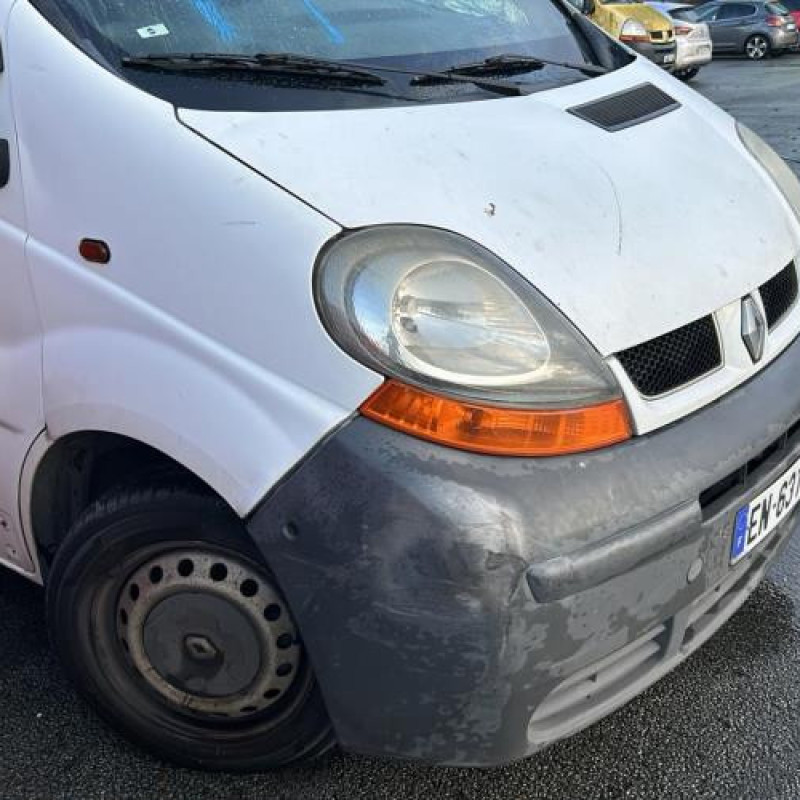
(497, 431)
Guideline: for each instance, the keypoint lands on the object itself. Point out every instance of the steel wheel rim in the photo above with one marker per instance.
(207, 591)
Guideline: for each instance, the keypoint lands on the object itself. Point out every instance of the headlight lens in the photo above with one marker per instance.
(633, 31)
(436, 310)
(778, 169)
(456, 322)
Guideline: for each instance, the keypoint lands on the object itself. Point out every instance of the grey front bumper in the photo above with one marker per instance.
(469, 610)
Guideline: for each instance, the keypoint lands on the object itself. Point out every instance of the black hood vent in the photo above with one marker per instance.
(625, 109)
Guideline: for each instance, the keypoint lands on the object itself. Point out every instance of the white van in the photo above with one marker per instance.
(357, 384)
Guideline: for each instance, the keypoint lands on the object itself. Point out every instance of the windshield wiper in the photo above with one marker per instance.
(268, 63)
(506, 64)
(299, 65)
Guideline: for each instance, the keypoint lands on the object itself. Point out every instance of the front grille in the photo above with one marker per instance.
(779, 294)
(674, 359)
(625, 109)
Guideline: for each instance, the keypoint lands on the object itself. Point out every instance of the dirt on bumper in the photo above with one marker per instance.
(456, 607)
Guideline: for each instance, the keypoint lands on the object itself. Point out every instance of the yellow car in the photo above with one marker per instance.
(639, 26)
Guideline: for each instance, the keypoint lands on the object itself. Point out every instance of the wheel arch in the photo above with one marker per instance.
(63, 477)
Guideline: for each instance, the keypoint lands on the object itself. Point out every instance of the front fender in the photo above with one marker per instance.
(113, 363)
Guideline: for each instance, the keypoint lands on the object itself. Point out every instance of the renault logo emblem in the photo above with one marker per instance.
(754, 328)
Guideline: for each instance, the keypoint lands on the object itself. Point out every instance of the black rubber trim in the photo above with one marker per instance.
(563, 576)
(5, 163)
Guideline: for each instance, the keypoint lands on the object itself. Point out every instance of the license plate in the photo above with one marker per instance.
(669, 58)
(757, 520)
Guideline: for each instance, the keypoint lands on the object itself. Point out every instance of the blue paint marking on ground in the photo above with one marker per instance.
(335, 35)
(214, 17)
(740, 532)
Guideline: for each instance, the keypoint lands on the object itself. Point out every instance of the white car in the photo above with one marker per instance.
(356, 386)
(695, 48)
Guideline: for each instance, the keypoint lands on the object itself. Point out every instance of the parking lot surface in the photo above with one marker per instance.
(724, 725)
(766, 97)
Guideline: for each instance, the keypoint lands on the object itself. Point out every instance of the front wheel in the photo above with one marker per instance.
(757, 47)
(169, 623)
(687, 74)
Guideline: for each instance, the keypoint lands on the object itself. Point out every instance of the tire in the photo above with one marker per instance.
(757, 47)
(687, 74)
(169, 624)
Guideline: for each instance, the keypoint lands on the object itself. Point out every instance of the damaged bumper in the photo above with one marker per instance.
(470, 610)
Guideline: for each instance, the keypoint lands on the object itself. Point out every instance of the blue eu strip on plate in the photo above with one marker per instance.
(740, 532)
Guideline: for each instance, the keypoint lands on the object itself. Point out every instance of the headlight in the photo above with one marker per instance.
(778, 169)
(633, 31)
(437, 312)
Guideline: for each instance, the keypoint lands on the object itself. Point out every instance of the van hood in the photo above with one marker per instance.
(631, 234)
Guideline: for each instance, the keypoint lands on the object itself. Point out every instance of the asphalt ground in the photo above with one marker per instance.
(723, 725)
(765, 97)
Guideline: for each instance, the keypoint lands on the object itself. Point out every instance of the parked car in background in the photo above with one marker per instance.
(793, 7)
(692, 37)
(639, 26)
(757, 29)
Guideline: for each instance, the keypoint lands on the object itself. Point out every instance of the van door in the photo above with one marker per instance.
(21, 414)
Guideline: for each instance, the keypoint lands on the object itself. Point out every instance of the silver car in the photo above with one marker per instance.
(693, 38)
(757, 29)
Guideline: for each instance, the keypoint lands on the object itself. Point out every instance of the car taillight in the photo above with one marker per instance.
(775, 22)
(682, 30)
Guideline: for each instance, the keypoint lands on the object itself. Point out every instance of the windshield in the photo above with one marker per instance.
(685, 14)
(420, 34)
